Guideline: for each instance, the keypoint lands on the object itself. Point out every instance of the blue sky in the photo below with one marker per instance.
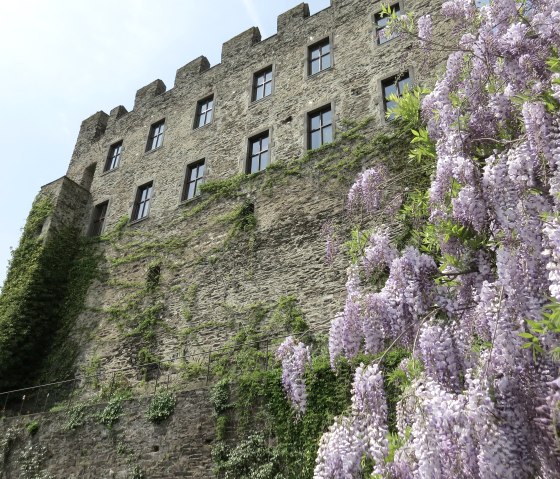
(63, 60)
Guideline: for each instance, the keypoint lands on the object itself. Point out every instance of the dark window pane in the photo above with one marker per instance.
(326, 48)
(389, 89)
(315, 67)
(264, 143)
(315, 53)
(192, 187)
(268, 75)
(155, 138)
(268, 89)
(315, 122)
(315, 139)
(327, 134)
(402, 83)
(254, 164)
(264, 160)
(326, 61)
(255, 147)
(327, 117)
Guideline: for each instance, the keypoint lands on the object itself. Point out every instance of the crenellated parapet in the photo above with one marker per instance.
(293, 19)
(329, 63)
(93, 127)
(191, 70)
(233, 49)
(149, 92)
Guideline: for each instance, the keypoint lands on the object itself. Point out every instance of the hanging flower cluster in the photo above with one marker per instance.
(364, 433)
(294, 358)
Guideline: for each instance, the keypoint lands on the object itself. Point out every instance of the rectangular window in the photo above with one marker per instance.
(259, 153)
(381, 22)
(204, 112)
(142, 201)
(394, 85)
(193, 180)
(481, 3)
(262, 84)
(99, 215)
(155, 138)
(319, 56)
(319, 127)
(114, 156)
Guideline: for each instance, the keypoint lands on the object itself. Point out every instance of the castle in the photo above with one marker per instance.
(209, 199)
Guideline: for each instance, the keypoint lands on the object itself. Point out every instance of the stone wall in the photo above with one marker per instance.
(178, 447)
(352, 86)
(212, 272)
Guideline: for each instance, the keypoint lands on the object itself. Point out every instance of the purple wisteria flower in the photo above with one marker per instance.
(294, 359)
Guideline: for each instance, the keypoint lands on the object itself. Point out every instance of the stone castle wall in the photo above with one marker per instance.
(211, 275)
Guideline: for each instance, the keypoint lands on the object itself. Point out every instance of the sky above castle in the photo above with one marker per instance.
(63, 60)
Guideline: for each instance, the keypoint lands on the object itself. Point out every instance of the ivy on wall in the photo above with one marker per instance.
(42, 295)
(258, 433)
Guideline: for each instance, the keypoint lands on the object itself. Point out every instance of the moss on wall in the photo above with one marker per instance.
(43, 292)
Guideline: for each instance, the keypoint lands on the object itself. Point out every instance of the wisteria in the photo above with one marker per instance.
(380, 253)
(483, 403)
(294, 357)
(332, 246)
(364, 433)
(369, 191)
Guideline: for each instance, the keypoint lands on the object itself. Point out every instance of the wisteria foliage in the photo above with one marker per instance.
(484, 406)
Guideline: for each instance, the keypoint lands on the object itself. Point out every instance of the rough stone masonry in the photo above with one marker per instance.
(208, 280)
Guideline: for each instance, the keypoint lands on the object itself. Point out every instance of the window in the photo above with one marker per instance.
(394, 85)
(99, 215)
(319, 56)
(142, 201)
(381, 22)
(155, 138)
(482, 3)
(193, 180)
(262, 84)
(319, 127)
(114, 156)
(204, 112)
(259, 154)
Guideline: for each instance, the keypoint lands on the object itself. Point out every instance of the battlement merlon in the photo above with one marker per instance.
(233, 49)
(148, 92)
(292, 19)
(93, 127)
(187, 72)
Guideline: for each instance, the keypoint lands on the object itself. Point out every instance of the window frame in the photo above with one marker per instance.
(255, 86)
(309, 131)
(377, 29)
(152, 135)
(249, 157)
(110, 160)
(100, 219)
(141, 203)
(319, 45)
(392, 80)
(198, 181)
(198, 111)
